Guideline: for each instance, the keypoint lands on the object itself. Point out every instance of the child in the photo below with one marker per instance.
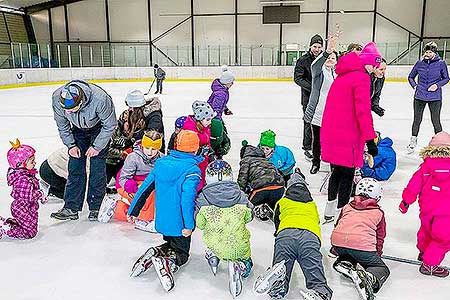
(260, 179)
(175, 179)
(221, 94)
(383, 165)
(359, 237)
(297, 238)
(200, 123)
(25, 191)
(179, 123)
(220, 142)
(431, 183)
(280, 156)
(137, 166)
(222, 212)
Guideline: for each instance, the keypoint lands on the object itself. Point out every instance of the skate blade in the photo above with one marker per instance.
(262, 285)
(235, 282)
(166, 279)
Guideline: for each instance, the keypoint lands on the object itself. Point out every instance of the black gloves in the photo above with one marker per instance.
(378, 110)
(372, 149)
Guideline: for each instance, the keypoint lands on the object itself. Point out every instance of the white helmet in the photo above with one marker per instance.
(370, 188)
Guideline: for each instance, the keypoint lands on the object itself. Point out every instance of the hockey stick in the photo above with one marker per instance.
(406, 261)
(150, 87)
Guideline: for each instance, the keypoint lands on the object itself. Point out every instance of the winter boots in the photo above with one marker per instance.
(65, 214)
(437, 271)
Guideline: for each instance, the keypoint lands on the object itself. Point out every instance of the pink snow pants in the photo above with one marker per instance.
(433, 238)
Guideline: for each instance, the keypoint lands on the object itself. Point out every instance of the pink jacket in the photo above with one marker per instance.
(361, 226)
(205, 139)
(431, 183)
(347, 119)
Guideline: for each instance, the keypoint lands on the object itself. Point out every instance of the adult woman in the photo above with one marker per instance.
(323, 75)
(347, 123)
(142, 114)
(432, 76)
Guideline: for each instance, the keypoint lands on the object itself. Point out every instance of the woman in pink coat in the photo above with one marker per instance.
(347, 124)
(200, 123)
(431, 183)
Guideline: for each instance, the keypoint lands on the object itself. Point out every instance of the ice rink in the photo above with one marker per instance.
(85, 260)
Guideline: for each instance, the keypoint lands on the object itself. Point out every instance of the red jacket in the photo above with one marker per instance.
(347, 119)
(361, 226)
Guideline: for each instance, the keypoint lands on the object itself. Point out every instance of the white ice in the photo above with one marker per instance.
(85, 260)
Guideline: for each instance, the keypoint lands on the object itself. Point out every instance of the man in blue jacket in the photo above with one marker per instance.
(384, 163)
(175, 179)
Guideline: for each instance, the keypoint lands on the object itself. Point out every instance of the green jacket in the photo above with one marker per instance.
(296, 209)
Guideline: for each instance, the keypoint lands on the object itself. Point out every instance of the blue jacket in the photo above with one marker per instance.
(283, 159)
(384, 163)
(175, 178)
(430, 71)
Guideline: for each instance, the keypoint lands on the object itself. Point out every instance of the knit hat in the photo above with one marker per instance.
(187, 141)
(441, 139)
(316, 39)
(179, 123)
(370, 55)
(135, 99)
(70, 96)
(218, 170)
(226, 77)
(18, 154)
(430, 46)
(147, 142)
(202, 110)
(267, 139)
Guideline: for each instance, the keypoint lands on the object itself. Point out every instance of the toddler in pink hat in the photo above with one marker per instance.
(431, 184)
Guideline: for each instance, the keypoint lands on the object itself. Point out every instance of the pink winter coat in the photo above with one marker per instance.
(361, 226)
(205, 140)
(431, 183)
(347, 119)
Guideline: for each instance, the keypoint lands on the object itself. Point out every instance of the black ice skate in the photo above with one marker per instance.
(263, 212)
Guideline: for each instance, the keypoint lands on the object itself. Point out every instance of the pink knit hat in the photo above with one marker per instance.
(442, 139)
(370, 55)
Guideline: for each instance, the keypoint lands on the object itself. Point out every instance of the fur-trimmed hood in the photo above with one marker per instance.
(435, 152)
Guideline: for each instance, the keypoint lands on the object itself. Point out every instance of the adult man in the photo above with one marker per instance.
(303, 78)
(160, 75)
(377, 82)
(85, 116)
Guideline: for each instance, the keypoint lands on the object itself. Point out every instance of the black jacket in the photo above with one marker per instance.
(375, 91)
(302, 75)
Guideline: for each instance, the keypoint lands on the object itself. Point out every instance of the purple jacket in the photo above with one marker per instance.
(219, 98)
(430, 71)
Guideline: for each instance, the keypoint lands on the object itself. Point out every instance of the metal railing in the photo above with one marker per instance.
(103, 54)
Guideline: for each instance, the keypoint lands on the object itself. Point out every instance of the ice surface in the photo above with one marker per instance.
(84, 260)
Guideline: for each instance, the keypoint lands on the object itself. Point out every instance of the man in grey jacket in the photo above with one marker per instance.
(160, 75)
(85, 116)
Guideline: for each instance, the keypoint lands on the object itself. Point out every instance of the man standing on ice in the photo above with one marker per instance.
(86, 119)
(303, 78)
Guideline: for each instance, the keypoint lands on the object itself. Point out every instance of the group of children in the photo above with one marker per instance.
(193, 187)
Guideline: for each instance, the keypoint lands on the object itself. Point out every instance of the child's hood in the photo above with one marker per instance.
(363, 203)
(15, 173)
(222, 194)
(297, 189)
(137, 148)
(251, 151)
(435, 152)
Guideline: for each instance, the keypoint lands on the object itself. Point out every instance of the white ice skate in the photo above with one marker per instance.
(164, 272)
(324, 187)
(311, 295)
(265, 281)
(412, 145)
(147, 226)
(144, 262)
(330, 212)
(107, 208)
(213, 261)
(234, 279)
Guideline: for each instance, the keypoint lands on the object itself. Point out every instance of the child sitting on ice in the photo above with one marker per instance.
(359, 237)
(431, 184)
(297, 238)
(137, 166)
(25, 191)
(260, 179)
(222, 212)
(179, 123)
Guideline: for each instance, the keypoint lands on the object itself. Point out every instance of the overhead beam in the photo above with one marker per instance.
(47, 5)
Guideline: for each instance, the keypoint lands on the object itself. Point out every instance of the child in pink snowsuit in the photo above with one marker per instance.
(25, 191)
(431, 183)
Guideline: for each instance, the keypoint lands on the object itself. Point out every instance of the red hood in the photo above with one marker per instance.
(349, 63)
(361, 203)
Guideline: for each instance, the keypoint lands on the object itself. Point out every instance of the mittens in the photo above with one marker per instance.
(403, 207)
(131, 186)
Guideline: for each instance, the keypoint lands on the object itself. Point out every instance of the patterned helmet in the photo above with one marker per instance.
(18, 154)
(218, 170)
(370, 188)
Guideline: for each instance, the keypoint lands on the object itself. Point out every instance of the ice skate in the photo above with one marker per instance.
(265, 281)
(213, 261)
(164, 271)
(412, 145)
(308, 155)
(437, 271)
(234, 279)
(147, 226)
(263, 212)
(324, 187)
(344, 268)
(107, 208)
(312, 295)
(330, 212)
(144, 262)
(363, 283)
